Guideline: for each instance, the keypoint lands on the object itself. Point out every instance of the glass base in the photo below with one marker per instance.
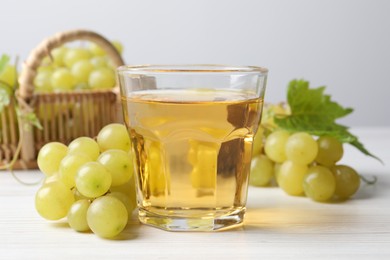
(171, 223)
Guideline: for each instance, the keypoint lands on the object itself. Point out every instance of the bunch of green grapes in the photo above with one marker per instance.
(76, 68)
(89, 182)
(299, 163)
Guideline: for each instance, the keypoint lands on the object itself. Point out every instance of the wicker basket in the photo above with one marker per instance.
(64, 116)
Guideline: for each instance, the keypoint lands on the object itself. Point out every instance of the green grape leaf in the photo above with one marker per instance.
(30, 119)
(314, 112)
(33, 120)
(3, 62)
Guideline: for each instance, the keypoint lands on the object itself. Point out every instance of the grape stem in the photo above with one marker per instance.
(11, 164)
(373, 180)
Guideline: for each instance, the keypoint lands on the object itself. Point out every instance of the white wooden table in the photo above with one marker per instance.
(276, 225)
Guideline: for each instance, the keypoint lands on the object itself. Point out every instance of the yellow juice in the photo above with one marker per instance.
(192, 150)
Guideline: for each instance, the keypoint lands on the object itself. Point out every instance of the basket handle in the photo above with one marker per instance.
(26, 78)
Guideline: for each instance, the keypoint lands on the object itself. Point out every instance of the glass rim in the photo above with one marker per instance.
(190, 68)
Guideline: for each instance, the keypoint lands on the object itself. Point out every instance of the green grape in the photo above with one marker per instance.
(50, 157)
(46, 61)
(276, 171)
(78, 196)
(9, 75)
(258, 141)
(102, 78)
(114, 136)
(81, 70)
(319, 183)
(42, 81)
(93, 180)
(126, 200)
(262, 170)
(84, 145)
(69, 167)
(290, 177)
(45, 68)
(54, 177)
(330, 150)
(58, 55)
(275, 146)
(107, 216)
(347, 181)
(53, 200)
(62, 79)
(301, 148)
(77, 215)
(74, 55)
(119, 164)
(118, 46)
(96, 50)
(99, 62)
(128, 188)
(270, 111)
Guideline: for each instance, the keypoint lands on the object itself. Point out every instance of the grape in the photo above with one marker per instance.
(50, 156)
(128, 188)
(273, 110)
(74, 55)
(119, 164)
(290, 177)
(107, 216)
(276, 171)
(96, 50)
(93, 180)
(114, 136)
(81, 70)
(102, 78)
(275, 146)
(58, 55)
(46, 68)
(262, 170)
(54, 177)
(7, 83)
(77, 215)
(319, 183)
(126, 200)
(62, 79)
(99, 62)
(86, 146)
(118, 46)
(53, 200)
(78, 196)
(258, 141)
(42, 81)
(9, 75)
(330, 150)
(301, 148)
(69, 167)
(347, 181)
(46, 61)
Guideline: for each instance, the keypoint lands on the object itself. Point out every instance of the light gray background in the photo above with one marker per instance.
(344, 45)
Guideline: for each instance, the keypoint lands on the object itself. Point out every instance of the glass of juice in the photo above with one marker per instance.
(192, 128)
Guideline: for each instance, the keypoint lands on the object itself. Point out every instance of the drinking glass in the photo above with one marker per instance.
(192, 128)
